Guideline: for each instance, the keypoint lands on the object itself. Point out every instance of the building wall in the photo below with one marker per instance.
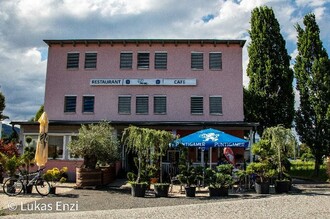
(226, 82)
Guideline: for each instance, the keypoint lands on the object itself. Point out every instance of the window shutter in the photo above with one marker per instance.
(70, 104)
(90, 60)
(160, 105)
(161, 60)
(215, 61)
(197, 61)
(126, 59)
(88, 104)
(124, 105)
(142, 105)
(72, 60)
(143, 60)
(215, 105)
(196, 105)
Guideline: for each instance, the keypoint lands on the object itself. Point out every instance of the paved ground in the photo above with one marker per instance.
(306, 201)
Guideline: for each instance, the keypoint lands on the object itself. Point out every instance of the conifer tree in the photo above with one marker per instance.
(269, 98)
(312, 70)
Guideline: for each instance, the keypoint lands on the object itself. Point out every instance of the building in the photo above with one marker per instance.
(180, 85)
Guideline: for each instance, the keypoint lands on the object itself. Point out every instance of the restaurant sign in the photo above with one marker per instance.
(144, 81)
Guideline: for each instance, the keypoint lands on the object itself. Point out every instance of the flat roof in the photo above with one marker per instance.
(205, 124)
(51, 42)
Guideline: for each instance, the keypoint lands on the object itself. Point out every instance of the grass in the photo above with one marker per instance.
(305, 170)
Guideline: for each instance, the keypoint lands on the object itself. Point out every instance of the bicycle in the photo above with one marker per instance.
(15, 185)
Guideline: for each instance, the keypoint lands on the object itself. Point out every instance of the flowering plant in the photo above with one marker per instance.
(55, 175)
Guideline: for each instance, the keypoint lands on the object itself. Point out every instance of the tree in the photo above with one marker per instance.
(2, 107)
(96, 142)
(269, 98)
(39, 113)
(312, 70)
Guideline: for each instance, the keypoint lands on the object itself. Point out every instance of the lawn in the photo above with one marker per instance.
(305, 170)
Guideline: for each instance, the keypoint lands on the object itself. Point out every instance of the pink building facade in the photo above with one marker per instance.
(178, 85)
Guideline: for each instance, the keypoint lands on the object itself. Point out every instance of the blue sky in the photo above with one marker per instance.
(24, 24)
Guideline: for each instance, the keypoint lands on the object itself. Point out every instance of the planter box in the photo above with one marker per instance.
(161, 191)
(108, 174)
(138, 190)
(190, 191)
(217, 192)
(282, 186)
(88, 177)
(262, 188)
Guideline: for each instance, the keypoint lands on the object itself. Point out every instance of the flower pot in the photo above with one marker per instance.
(282, 186)
(88, 177)
(190, 191)
(28, 189)
(216, 192)
(262, 188)
(52, 190)
(161, 190)
(138, 189)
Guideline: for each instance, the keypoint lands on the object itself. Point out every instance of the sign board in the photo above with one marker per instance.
(144, 82)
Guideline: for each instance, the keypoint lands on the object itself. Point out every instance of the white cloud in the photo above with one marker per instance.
(24, 24)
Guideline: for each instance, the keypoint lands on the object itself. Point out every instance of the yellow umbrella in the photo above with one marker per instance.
(42, 145)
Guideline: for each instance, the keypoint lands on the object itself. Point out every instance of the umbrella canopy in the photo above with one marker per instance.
(207, 138)
(41, 156)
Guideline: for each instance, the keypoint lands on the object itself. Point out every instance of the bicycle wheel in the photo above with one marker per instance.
(42, 187)
(12, 186)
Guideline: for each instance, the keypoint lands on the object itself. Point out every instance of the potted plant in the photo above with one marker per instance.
(282, 144)
(219, 180)
(161, 189)
(146, 144)
(263, 172)
(95, 142)
(54, 176)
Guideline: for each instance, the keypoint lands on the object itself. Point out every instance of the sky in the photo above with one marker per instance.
(24, 24)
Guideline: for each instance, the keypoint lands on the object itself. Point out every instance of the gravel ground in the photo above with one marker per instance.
(307, 201)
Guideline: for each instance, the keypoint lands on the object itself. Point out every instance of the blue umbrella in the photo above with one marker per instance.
(211, 138)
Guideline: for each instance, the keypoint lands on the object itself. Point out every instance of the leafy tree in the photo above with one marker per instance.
(2, 107)
(312, 70)
(96, 142)
(39, 113)
(269, 99)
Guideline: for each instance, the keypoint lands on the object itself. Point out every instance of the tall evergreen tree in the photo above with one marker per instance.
(2, 107)
(312, 70)
(269, 98)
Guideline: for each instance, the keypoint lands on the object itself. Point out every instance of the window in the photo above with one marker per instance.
(124, 105)
(70, 104)
(142, 105)
(72, 155)
(88, 104)
(126, 59)
(196, 106)
(160, 60)
(55, 147)
(160, 105)
(72, 60)
(90, 60)
(215, 61)
(215, 105)
(143, 60)
(197, 61)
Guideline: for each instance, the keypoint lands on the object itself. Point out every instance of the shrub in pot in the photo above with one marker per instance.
(282, 143)
(161, 189)
(148, 145)
(55, 176)
(219, 179)
(263, 172)
(95, 142)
